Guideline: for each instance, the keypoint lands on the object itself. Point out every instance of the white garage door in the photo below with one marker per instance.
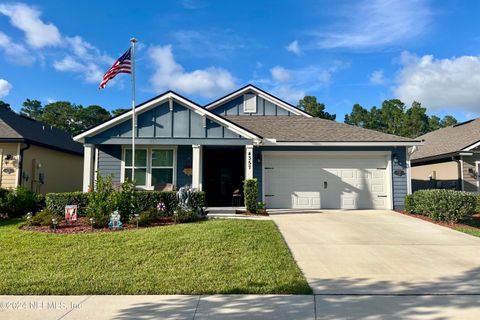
(314, 180)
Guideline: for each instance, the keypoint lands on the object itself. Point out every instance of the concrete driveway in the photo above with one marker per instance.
(381, 252)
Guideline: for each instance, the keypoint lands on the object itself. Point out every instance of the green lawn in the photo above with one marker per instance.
(473, 232)
(215, 256)
(473, 223)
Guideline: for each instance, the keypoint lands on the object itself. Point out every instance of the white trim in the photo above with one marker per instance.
(197, 170)
(160, 100)
(461, 173)
(249, 162)
(88, 166)
(387, 154)
(465, 154)
(471, 147)
(409, 172)
(18, 166)
(95, 166)
(477, 167)
(261, 94)
(252, 99)
(148, 179)
(273, 142)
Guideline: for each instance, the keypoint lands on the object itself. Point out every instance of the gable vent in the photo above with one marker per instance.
(250, 103)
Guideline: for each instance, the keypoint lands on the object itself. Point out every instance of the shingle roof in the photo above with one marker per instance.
(15, 126)
(448, 140)
(302, 129)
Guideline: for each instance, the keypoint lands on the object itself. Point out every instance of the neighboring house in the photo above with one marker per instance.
(38, 157)
(299, 161)
(449, 158)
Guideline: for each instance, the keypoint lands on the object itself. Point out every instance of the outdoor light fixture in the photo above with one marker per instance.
(136, 215)
(29, 218)
(395, 158)
(54, 222)
(92, 222)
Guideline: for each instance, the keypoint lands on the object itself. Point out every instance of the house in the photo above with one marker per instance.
(300, 161)
(38, 157)
(449, 158)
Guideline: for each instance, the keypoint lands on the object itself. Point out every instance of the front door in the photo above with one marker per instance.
(223, 174)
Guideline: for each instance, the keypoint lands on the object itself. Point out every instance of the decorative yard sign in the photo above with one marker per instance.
(71, 213)
(115, 222)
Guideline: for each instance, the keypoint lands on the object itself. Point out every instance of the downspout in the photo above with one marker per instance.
(20, 164)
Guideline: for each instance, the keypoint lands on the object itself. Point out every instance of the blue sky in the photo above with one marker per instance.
(343, 52)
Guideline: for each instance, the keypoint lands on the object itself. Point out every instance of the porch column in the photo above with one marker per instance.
(88, 162)
(249, 162)
(197, 167)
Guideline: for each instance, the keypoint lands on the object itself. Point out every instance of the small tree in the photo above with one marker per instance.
(250, 191)
(101, 201)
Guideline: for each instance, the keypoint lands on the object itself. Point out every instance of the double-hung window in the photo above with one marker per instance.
(154, 166)
(140, 166)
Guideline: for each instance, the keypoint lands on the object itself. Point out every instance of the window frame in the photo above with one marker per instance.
(252, 97)
(148, 180)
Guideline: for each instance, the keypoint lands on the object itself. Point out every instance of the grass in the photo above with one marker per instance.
(215, 256)
(474, 223)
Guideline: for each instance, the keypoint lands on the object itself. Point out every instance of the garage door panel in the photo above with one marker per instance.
(351, 182)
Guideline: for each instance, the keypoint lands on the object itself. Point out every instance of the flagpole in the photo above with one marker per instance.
(133, 41)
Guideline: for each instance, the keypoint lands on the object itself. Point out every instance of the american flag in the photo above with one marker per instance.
(122, 65)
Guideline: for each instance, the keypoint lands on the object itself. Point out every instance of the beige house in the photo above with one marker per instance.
(38, 157)
(450, 158)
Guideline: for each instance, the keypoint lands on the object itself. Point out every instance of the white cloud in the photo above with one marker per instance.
(38, 34)
(373, 23)
(15, 52)
(91, 72)
(294, 47)
(377, 77)
(5, 88)
(169, 74)
(280, 74)
(440, 83)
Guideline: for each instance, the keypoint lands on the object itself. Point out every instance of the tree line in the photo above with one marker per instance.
(64, 115)
(392, 117)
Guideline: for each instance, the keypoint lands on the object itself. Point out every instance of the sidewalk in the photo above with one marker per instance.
(249, 307)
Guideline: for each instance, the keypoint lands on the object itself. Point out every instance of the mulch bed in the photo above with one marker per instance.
(83, 226)
(460, 225)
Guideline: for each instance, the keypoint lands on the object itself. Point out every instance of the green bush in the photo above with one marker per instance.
(478, 203)
(198, 201)
(250, 191)
(56, 202)
(181, 216)
(409, 204)
(126, 200)
(145, 218)
(42, 218)
(17, 203)
(445, 205)
(150, 199)
(101, 201)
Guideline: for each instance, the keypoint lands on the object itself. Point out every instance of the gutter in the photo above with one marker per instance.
(20, 164)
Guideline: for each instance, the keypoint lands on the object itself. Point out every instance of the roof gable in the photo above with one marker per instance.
(169, 116)
(267, 104)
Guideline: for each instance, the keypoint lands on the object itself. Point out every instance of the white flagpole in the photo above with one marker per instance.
(134, 126)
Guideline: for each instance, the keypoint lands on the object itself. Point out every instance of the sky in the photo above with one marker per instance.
(342, 52)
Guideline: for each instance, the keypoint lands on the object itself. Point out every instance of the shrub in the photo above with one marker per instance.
(445, 205)
(198, 201)
(126, 200)
(145, 218)
(42, 218)
(150, 199)
(101, 201)
(181, 216)
(409, 204)
(250, 191)
(17, 203)
(56, 202)
(478, 203)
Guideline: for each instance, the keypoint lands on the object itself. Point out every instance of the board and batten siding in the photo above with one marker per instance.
(399, 183)
(160, 125)
(110, 163)
(264, 108)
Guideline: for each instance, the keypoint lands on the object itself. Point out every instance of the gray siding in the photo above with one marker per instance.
(109, 161)
(470, 182)
(399, 182)
(264, 108)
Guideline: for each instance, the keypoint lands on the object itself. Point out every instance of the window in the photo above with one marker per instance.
(140, 166)
(154, 166)
(162, 166)
(250, 103)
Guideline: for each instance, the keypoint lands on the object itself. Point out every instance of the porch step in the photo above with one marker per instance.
(223, 211)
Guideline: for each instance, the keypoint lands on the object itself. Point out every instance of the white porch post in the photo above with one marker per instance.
(88, 162)
(249, 162)
(409, 172)
(197, 167)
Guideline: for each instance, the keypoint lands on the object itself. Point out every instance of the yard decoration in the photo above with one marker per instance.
(71, 213)
(115, 222)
